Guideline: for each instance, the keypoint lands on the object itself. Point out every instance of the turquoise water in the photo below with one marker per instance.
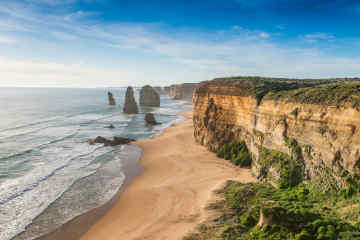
(44, 149)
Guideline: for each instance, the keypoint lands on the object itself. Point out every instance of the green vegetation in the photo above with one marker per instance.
(236, 152)
(316, 91)
(258, 211)
(329, 94)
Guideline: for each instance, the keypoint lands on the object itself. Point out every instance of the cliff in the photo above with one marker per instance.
(308, 129)
(182, 91)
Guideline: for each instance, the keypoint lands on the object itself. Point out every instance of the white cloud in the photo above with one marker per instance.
(125, 53)
(78, 15)
(52, 74)
(63, 35)
(7, 40)
(264, 35)
(315, 37)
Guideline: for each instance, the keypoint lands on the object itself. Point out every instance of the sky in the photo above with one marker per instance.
(114, 43)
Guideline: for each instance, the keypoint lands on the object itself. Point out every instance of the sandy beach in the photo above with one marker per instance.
(167, 200)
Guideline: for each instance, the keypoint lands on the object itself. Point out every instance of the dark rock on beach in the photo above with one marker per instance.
(149, 97)
(130, 106)
(115, 142)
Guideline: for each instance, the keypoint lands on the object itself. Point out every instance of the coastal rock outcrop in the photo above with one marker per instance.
(115, 142)
(149, 97)
(111, 99)
(130, 106)
(310, 128)
(150, 119)
(182, 91)
(161, 90)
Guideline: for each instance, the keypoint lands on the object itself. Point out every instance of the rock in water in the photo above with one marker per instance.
(149, 97)
(150, 119)
(109, 126)
(116, 141)
(130, 106)
(111, 99)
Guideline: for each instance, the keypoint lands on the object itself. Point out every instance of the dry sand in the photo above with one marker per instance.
(167, 200)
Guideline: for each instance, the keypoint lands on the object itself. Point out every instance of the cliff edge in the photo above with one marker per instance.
(307, 130)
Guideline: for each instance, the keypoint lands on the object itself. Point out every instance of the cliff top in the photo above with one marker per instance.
(335, 91)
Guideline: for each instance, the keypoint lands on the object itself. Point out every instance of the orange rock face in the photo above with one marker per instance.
(327, 137)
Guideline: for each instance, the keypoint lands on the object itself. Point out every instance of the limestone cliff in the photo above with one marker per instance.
(182, 91)
(315, 122)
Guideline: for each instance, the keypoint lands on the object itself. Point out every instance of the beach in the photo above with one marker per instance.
(168, 199)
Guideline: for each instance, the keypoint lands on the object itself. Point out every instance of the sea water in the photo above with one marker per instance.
(45, 159)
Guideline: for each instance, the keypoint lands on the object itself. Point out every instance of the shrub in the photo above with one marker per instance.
(236, 152)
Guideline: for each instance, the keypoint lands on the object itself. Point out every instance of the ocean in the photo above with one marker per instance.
(49, 174)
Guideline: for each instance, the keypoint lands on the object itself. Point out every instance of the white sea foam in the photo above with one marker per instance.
(48, 162)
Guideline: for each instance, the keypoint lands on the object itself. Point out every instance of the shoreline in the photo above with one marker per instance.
(169, 198)
(76, 227)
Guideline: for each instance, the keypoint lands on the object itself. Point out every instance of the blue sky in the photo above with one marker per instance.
(99, 43)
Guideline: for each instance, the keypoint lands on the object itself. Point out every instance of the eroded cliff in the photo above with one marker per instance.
(182, 91)
(314, 123)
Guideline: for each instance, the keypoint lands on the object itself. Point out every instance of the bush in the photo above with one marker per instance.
(236, 152)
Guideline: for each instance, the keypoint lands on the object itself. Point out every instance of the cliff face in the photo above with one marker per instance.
(321, 139)
(182, 91)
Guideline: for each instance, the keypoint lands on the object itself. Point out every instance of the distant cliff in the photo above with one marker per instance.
(182, 91)
(311, 127)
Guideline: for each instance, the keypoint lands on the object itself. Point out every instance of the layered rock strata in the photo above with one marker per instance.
(183, 91)
(315, 124)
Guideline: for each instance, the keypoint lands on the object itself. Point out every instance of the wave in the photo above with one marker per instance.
(37, 147)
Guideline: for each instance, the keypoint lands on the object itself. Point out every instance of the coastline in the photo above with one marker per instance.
(79, 225)
(168, 199)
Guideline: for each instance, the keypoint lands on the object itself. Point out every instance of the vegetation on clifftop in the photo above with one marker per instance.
(316, 91)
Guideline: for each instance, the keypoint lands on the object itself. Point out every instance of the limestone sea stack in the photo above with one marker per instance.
(130, 106)
(149, 97)
(111, 99)
(150, 119)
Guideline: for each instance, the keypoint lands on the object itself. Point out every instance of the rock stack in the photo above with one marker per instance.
(111, 99)
(130, 106)
(149, 97)
(116, 141)
(150, 119)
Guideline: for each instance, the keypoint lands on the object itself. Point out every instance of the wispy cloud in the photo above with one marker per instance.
(315, 37)
(7, 40)
(140, 53)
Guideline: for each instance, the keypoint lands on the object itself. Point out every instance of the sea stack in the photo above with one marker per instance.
(130, 106)
(111, 99)
(150, 119)
(149, 97)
